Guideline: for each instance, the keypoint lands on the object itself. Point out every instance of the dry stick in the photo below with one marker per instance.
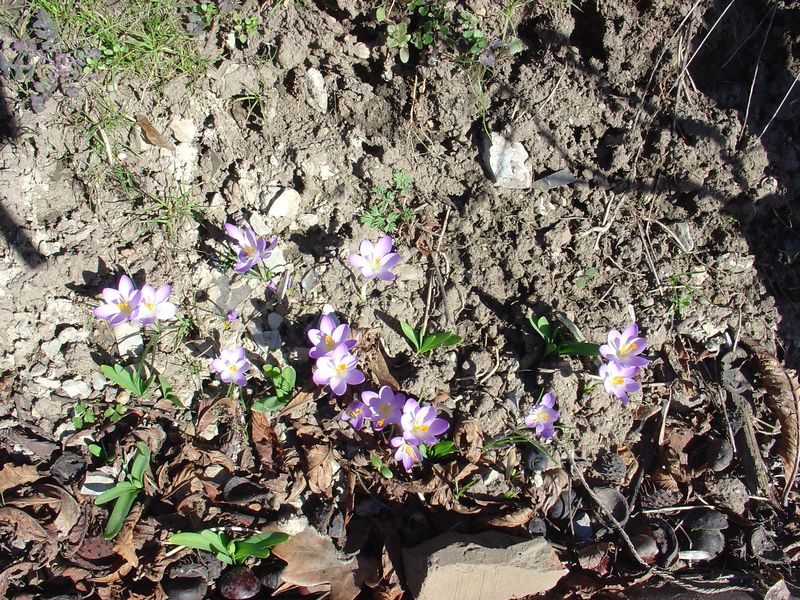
(430, 279)
(777, 110)
(755, 75)
(607, 514)
(703, 41)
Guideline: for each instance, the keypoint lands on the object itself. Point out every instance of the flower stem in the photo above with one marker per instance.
(363, 293)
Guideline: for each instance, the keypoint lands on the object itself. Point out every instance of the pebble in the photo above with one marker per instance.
(708, 540)
(719, 454)
(98, 381)
(129, 340)
(508, 162)
(184, 130)
(309, 281)
(286, 204)
(318, 97)
(274, 320)
(361, 51)
(75, 388)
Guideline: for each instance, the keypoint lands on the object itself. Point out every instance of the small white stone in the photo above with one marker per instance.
(97, 482)
(318, 92)
(361, 51)
(184, 130)
(75, 388)
(286, 204)
(98, 381)
(508, 162)
(129, 340)
(259, 225)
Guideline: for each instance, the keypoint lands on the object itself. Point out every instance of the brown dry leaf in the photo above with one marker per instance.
(311, 562)
(319, 471)
(268, 446)
(300, 399)
(513, 520)
(596, 557)
(631, 464)
(153, 135)
(24, 529)
(124, 544)
(784, 398)
(214, 410)
(554, 481)
(468, 436)
(68, 513)
(12, 476)
(370, 348)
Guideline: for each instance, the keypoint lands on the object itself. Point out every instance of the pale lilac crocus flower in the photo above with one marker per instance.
(386, 407)
(543, 415)
(624, 348)
(420, 425)
(328, 337)
(357, 413)
(618, 380)
(375, 260)
(250, 249)
(120, 302)
(231, 364)
(154, 305)
(338, 370)
(406, 453)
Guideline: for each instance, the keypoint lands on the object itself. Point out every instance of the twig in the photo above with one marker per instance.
(777, 110)
(430, 279)
(703, 41)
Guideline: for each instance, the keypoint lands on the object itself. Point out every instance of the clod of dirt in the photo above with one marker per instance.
(537, 527)
(728, 492)
(708, 540)
(707, 519)
(242, 491)
(719, 454)
(68, 468)
(239, 583)
(487, 566)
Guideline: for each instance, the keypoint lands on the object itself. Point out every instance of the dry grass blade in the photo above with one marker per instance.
(153, 135)
(784, 399)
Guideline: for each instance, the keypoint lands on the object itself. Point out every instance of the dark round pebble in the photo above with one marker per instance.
(562, 508)
(535, 460)
(537, 527)
(707, 519)
(719, 454)
(710, 540)
(239, 583)
(186, 588)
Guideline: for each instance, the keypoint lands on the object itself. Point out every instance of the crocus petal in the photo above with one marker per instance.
(359, 262)
(163, 293)
(353, 377)
(326, 324)
(366, 249)
(631, 331)
(239, 379)
(320, 377)
(438, 427)
(390, 260)
(338, 386)
(383, 246)
(166, 311)
(125, 285)
(106, 311)
(386, 276)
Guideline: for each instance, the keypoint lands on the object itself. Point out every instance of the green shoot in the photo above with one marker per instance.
(386, 213)
(422, 343)
(380, 466)
(125, 492)
(128, 380)
(555, 342)
(228, 550)
(283, 380)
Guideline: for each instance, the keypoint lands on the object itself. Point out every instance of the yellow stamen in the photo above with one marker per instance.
(617, 380)
(150, 306)
(249, 250)
(123, 306)
(328, 340)
(233, 368)
(341, 368)
(385, 410)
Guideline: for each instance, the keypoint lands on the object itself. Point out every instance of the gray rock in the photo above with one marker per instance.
(129, 340)
(274, 320)
(487, 566)
(508, 162)
(318, 91)
(75, 388)
(310, 281)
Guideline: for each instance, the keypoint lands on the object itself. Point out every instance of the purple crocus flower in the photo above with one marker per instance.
(356, 412)
(231, 364)
(543, 415)
(231, 316)
(618, 380)
(328, 337)
(250, 249)
(407, 453)
(386, 407)
(624, 348)
(420, 425)
(120, 302)
(375, 260)
(338, 370)
(153, 305)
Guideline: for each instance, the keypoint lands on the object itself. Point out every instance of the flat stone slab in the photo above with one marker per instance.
(486, 566)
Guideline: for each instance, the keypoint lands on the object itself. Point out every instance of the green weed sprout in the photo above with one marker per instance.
(555, 342)
(381, 466)
(283, 380)
(228, 550)
(125, 492)
(385, 213)
(425, 343)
